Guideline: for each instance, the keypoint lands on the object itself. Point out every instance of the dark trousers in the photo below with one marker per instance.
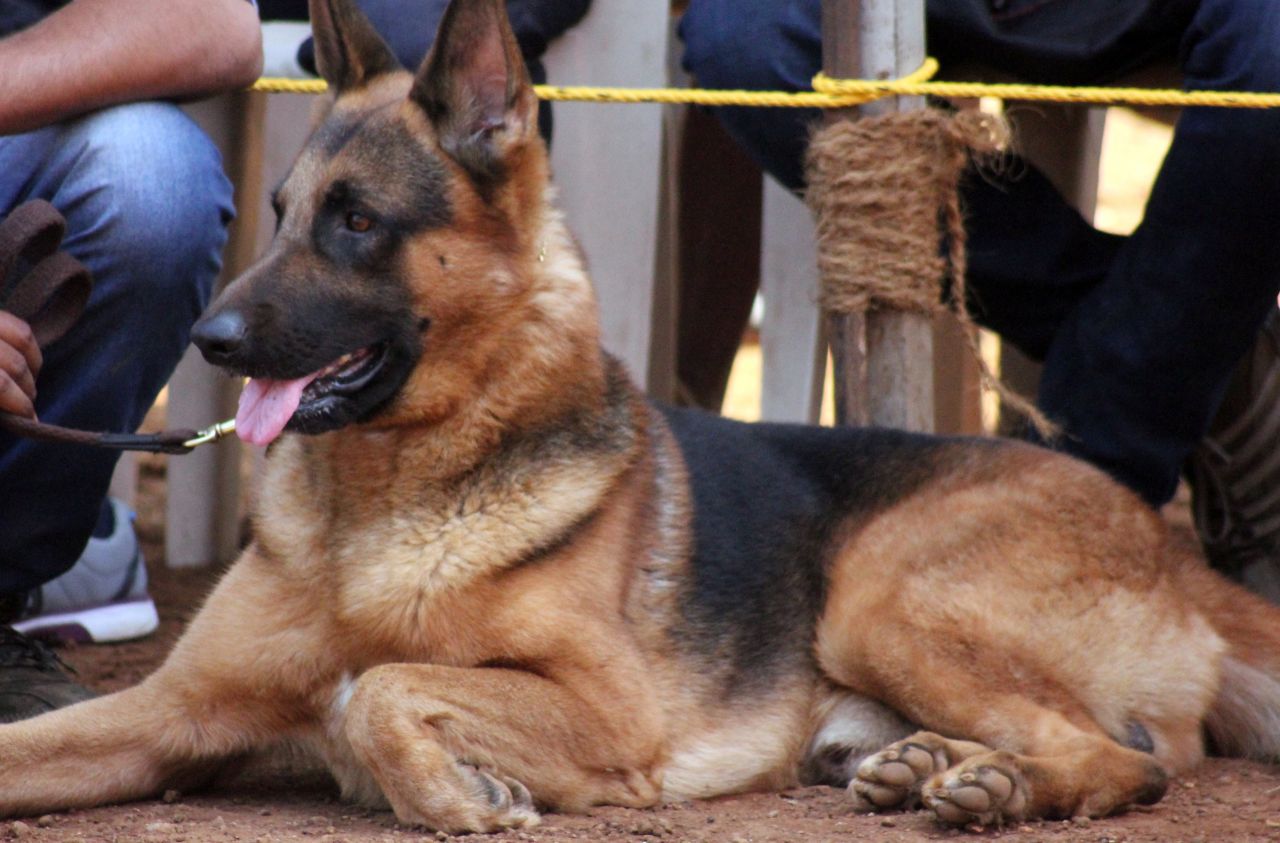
(1138, 335)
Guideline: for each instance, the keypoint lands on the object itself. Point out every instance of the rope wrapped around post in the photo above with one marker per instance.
(884, 192)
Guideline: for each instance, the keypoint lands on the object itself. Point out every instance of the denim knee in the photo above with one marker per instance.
(758, 45)
(147, 206)
(1231, 45)
(764, 44)
(147, 203)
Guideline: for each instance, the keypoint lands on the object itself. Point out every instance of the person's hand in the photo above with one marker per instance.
(19, 364)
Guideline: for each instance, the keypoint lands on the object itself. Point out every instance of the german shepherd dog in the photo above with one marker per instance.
(488, 577)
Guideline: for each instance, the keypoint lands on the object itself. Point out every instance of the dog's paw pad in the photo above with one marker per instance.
(892, 777)
(980, 793)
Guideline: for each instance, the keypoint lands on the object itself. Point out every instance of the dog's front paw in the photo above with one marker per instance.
(503, 802)
(891, 779)
(505, 796)
(985, 790)
(470, 800)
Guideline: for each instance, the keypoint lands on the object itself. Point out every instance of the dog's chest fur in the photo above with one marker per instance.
(402, 552)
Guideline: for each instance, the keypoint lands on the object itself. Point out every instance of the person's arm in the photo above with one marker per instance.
(95, 53)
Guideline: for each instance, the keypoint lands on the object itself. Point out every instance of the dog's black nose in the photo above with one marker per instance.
(220, 336)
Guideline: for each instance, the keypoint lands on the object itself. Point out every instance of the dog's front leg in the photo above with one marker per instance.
(242, 675)
(473, 749)
(122, 746)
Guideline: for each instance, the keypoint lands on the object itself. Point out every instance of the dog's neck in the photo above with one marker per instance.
(509, 498)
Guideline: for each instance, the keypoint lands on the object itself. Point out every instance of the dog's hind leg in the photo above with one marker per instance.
(965, 782)
(1027, 746)
(1026, 604)
(1087, 776)
(1047, 765)
(473, 749)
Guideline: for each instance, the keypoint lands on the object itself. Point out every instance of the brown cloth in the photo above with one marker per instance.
(48, 289)
(42, 286)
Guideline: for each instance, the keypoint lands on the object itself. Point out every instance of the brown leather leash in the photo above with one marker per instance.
(48, 289)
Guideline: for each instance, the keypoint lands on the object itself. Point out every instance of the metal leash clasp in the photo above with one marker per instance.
(211, 434)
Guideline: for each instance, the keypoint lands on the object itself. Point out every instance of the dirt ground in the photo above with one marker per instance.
(1222, 801)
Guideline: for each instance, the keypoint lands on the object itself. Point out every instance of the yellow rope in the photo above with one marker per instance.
(915, 86)
(843, 93)
(583, 93)
(280, 85)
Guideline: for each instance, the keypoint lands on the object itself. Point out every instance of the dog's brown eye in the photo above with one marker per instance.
(358, 222)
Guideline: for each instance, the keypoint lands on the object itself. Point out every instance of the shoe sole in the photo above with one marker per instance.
(100, 625)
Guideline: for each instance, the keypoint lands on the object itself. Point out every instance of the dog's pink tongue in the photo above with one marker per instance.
(266, 406)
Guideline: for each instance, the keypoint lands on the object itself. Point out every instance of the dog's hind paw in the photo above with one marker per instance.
(892, 778)
(985, 790)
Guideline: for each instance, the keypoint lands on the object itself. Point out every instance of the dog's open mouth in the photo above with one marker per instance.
(267, 405)
(346, 375)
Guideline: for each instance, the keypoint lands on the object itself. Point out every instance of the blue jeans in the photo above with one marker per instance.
(147, 206)
(1138, 335)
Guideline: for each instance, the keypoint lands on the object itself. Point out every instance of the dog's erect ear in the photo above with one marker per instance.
(349, 51)
(474, 88)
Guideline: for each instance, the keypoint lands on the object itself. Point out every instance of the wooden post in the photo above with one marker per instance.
(883, 362)
(608, 164)
(203, 487)
(794, 349)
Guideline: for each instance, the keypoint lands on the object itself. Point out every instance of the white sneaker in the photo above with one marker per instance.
(103, 598)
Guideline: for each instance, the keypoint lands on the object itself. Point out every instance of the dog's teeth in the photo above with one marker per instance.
(337, 365)
(347, 361)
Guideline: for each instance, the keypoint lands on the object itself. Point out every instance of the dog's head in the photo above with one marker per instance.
(407, 230)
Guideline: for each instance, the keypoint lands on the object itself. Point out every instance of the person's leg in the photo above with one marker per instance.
(1031, 256)
(758, 45)
(147, 205)
(1139, 337)
(1137, 370)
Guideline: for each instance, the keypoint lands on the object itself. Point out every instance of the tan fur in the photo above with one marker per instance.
(474, 604)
